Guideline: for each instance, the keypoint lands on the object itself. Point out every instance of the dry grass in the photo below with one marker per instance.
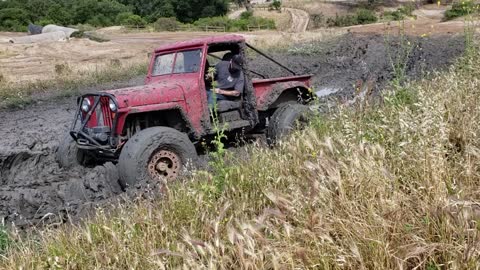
(66, 82)
(268, 41)
(282, 19)
(371, 188)
(329, 9)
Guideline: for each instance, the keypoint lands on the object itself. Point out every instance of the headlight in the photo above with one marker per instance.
(86, 105)
(112, 105)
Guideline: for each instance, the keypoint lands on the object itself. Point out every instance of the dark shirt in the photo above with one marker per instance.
(227, 80)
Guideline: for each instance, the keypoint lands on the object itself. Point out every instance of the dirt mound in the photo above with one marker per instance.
(36, 190)
(341, 65)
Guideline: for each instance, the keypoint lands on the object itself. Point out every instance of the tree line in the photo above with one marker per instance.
(15, 15)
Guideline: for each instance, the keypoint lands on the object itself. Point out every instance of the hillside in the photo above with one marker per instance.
(390, 183)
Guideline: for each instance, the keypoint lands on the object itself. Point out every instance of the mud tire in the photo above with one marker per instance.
(68, 155)
(284, 120)
(137, 152)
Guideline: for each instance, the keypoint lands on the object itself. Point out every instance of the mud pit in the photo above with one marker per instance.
(36, 191)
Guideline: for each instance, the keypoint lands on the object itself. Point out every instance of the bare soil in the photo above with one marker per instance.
(35, 190)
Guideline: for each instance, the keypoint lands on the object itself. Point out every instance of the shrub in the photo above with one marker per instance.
(365, 16)
(407, 9)
(400, 13)
(213, 21)
(166, 24)
(134, 21)
(13, 19)
(393, 15)
(361, 16)
(275, 5)
(235, 25)
(317, 20)
(246, 15)
(460, 9)
(340, 21)
(45, 21)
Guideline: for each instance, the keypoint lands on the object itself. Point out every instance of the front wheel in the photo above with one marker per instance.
(157, 153)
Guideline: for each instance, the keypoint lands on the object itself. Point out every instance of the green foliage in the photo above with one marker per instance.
(361, 16)
(399, 60)
(400, 13)
(134, 21)
(166, 24)
(16, 14)
(5, 240)
(462, 8)
(186, 11)
(13, 19)
(317, 20)
(365, 16)
(235, 24)
(276, 5)
(217, 162)
(246, 15)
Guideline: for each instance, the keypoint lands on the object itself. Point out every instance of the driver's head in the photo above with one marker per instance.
(236, 64)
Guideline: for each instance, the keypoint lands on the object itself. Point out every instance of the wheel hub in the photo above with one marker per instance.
(164, 164)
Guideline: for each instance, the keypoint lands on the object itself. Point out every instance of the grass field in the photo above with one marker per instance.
(385, 185)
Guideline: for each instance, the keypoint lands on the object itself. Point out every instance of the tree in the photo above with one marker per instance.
(13, 19)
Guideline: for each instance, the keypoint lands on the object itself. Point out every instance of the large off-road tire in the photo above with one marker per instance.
(157, 153)
(68, 155)
(284, 120)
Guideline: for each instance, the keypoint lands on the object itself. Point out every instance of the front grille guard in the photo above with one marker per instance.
(85, 140)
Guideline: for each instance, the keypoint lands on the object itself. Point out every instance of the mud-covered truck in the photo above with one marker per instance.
(153, 131)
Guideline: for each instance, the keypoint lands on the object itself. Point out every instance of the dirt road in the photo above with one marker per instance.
(300, 20)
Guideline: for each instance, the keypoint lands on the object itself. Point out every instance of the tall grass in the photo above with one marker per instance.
(395, 187)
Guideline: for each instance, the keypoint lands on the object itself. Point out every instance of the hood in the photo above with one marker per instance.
(155, 93)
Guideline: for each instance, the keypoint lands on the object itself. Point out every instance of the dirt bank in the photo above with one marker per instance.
(341, 65)
(35, 190)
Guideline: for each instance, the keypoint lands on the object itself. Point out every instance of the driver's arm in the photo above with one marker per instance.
(231, 93)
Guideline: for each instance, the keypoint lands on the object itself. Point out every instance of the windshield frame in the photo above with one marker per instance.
(176, 52)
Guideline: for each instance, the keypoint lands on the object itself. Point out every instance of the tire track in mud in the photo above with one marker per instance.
(35, 190)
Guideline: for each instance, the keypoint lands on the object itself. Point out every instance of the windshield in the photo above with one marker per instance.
(177, 62)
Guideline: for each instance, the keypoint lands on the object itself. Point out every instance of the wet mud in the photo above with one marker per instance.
(36, 191)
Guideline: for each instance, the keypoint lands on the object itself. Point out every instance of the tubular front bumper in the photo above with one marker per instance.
(83, 135)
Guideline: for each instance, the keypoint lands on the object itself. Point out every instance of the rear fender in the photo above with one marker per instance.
(283, 92)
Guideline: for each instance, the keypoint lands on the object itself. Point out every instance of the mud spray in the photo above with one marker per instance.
(35, 190)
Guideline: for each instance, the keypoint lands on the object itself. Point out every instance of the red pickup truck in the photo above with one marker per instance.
(153, 131)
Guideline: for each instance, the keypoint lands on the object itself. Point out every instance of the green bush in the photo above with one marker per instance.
(13, 19)
(407, 9)
(400, 13)
(393, 15)
(166, 24)
(246, 15)
(235, 25)
(317, 20)
(340, 21)
(460, 9)
(365, 16)
(134, 21)
(275, 5)
(361, 16)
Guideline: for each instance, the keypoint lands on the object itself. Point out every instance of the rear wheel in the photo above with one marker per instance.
(157, 153)
(285, 119)
(68, 155)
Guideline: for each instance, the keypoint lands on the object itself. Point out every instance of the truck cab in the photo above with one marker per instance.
(152, 130)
